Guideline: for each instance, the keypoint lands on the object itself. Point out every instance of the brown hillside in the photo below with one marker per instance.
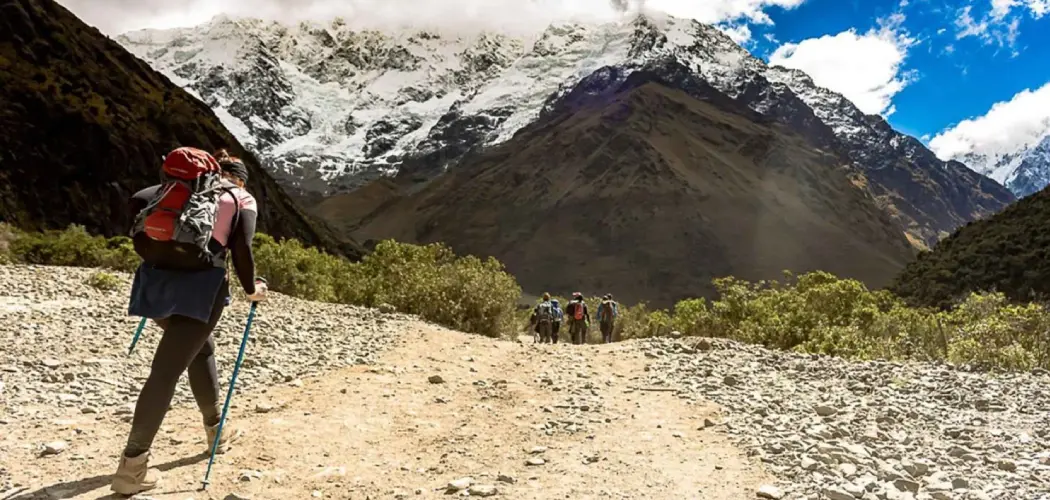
(83, 124)
(649, 194)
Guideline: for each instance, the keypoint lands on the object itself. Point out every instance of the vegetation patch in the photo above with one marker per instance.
(813, 313)
(104, 281)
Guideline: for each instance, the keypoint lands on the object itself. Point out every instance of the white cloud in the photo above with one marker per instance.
(117, 16)
(992, 29)
(739, 33)
(1036, 8)
(1006, 127)
(714, 11)
(867, 68)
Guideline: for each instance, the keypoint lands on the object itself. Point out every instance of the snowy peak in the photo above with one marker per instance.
(328, 107)
(1032, 171)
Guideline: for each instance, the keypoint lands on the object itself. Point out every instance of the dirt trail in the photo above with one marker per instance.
(387, 431)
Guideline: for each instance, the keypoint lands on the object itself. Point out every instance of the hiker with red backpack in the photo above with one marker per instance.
(579, 319)
(183, 230)
(608, 310)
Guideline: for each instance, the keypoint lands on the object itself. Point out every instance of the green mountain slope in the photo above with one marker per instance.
(1008, 252)
(83, 124)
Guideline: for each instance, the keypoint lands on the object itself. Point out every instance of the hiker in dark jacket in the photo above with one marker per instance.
(543, 319)
(579, 319)
(608, 310)
(187, 305)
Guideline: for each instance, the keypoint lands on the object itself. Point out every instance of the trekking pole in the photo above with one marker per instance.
(138, 333)
(229, 393)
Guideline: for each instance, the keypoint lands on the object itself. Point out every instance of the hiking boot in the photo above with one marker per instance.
(134, 475)
(230, 434)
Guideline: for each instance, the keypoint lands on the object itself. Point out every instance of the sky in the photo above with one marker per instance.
(961, 75)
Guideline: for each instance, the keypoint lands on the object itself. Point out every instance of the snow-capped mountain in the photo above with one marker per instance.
(328, 107)
(1024, 170)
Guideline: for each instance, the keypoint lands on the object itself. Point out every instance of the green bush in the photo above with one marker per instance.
(7, 236)
(821, 314)
(103, 281)
(73, 247)
(465, 293)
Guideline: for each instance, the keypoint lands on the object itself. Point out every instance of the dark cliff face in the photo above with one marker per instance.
(83, 124)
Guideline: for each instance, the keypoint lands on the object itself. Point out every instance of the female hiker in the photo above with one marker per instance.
(187, 300)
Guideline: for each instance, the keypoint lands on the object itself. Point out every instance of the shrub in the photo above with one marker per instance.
(819, 313)
(103, 281)
(7, 236)
(465, 293)
(73, 247)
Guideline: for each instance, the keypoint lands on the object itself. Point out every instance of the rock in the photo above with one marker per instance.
(503, 478)
(836, 493)
(459, 484)
(237, 496)
(386, 308)
(960, 483)
(263, 408)
(1008, 466)
(249, 475)
(709, 423)
(436, 379)
(825, 410)
(482, 490)
(770, 492)
(534, 461)
(730, 380)
(903, 484)
(537, 450)
(54, 448)
(51, 363)
(915, 469)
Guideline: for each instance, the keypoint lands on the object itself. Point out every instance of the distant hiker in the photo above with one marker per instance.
(608, 310)
(543, 318)
(579, 319)
(183, 286)
(558, 315)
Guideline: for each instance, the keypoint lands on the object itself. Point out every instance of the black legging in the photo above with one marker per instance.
(186, 345)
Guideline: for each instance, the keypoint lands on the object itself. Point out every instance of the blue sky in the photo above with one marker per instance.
(950, 78)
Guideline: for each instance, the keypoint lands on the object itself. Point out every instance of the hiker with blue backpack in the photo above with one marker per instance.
(558, 316)
(184, 229)
(542, 319)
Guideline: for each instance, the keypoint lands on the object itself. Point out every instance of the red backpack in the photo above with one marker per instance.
(175, 228)
(577, 312)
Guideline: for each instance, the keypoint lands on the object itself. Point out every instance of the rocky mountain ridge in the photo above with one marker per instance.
(1024, 171)
(331, 108)
(661, 183)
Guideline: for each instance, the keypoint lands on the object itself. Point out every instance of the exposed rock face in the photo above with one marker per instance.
(84, 123)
